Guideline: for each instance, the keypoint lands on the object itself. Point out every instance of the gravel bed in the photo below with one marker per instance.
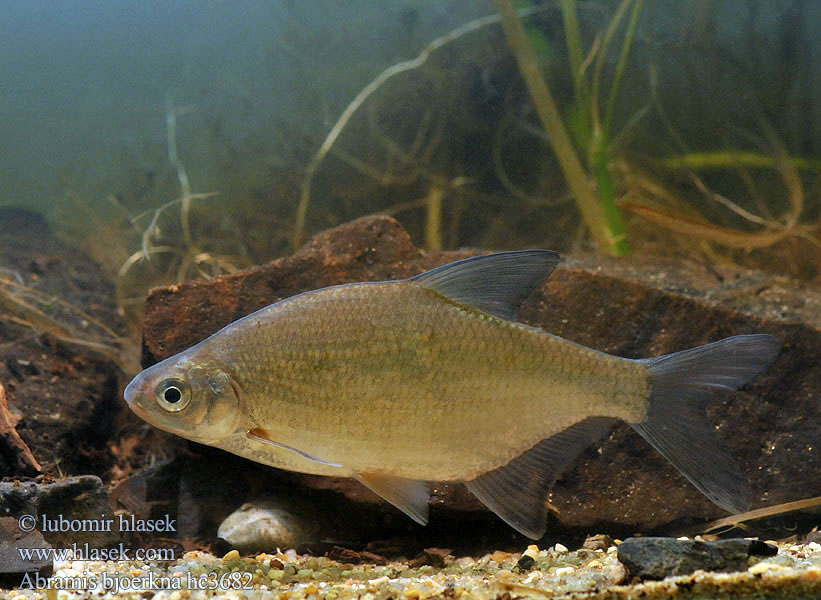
(795, 572)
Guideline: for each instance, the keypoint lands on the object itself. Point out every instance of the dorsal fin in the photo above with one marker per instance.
(495, 283)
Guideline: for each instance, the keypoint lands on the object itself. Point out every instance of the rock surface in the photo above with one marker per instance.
(657, 558)
(12, 565)
(71, 499)
(635, 307)
(64, 398)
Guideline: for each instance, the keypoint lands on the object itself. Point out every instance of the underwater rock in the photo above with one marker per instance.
(196, 494)
(657, 557)
(813, 536)
(368, 249)
(526, 562)
(352, 557)
(600, 541)
(66, 395)
(12, 565)
(635, 307)
(202, 496)
(71, 499)
(264, 525)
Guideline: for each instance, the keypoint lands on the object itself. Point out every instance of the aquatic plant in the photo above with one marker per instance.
(738, 520)
(356, 104)
(658, 203)
(42, 312)
(187, 259)
(597, 205)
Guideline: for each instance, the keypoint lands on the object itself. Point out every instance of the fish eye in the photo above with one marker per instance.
(173, 394)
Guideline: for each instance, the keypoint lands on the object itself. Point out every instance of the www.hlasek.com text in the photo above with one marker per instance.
(87, 552)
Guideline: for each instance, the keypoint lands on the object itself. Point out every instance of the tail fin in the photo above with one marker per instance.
(681, 383)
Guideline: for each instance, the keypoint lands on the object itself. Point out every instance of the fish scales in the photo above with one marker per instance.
(394, 372)
(433, 378)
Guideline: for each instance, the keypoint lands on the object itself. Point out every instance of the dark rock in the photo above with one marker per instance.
(597, 542)
(437, 557)
(526, 562)
(813, 536)
(657, 558)
(417, 561)
(184, 490)
(12, 566)
(58, 503)
(344, 555)
(636, 307)
(201, 493)
(352, 557)
(373, 558)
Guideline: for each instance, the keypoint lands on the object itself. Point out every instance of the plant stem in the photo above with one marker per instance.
(433, 222)
(601, 132)
(363, 95)
(625, 51)
(599, 67)
(731, 158)
(577, 180)
(574, 44)
(607, 197)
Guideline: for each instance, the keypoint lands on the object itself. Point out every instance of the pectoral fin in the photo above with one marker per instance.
(408, 495)
(260, 435)
(518, 491)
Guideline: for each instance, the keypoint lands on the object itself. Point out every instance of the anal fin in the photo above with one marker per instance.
(408, 495)
(517, 492)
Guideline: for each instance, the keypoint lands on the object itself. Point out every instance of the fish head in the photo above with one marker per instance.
(192, 397)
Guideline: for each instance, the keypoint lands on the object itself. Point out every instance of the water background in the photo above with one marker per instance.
(256, 87)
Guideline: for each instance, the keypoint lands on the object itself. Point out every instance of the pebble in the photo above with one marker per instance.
(232, 555)
(571, 574)
(657, 558)
(597, 542)
(763, 567)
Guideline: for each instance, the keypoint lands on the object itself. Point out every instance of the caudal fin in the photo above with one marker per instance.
(676, 426)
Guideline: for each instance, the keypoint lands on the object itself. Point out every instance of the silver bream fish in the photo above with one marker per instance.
(399, 383)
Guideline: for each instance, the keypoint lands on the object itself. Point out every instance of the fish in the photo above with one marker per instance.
(433, 378)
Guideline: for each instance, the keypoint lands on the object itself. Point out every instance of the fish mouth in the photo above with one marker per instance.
(134, 391)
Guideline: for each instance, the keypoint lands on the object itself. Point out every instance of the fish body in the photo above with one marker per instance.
(432, 379)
